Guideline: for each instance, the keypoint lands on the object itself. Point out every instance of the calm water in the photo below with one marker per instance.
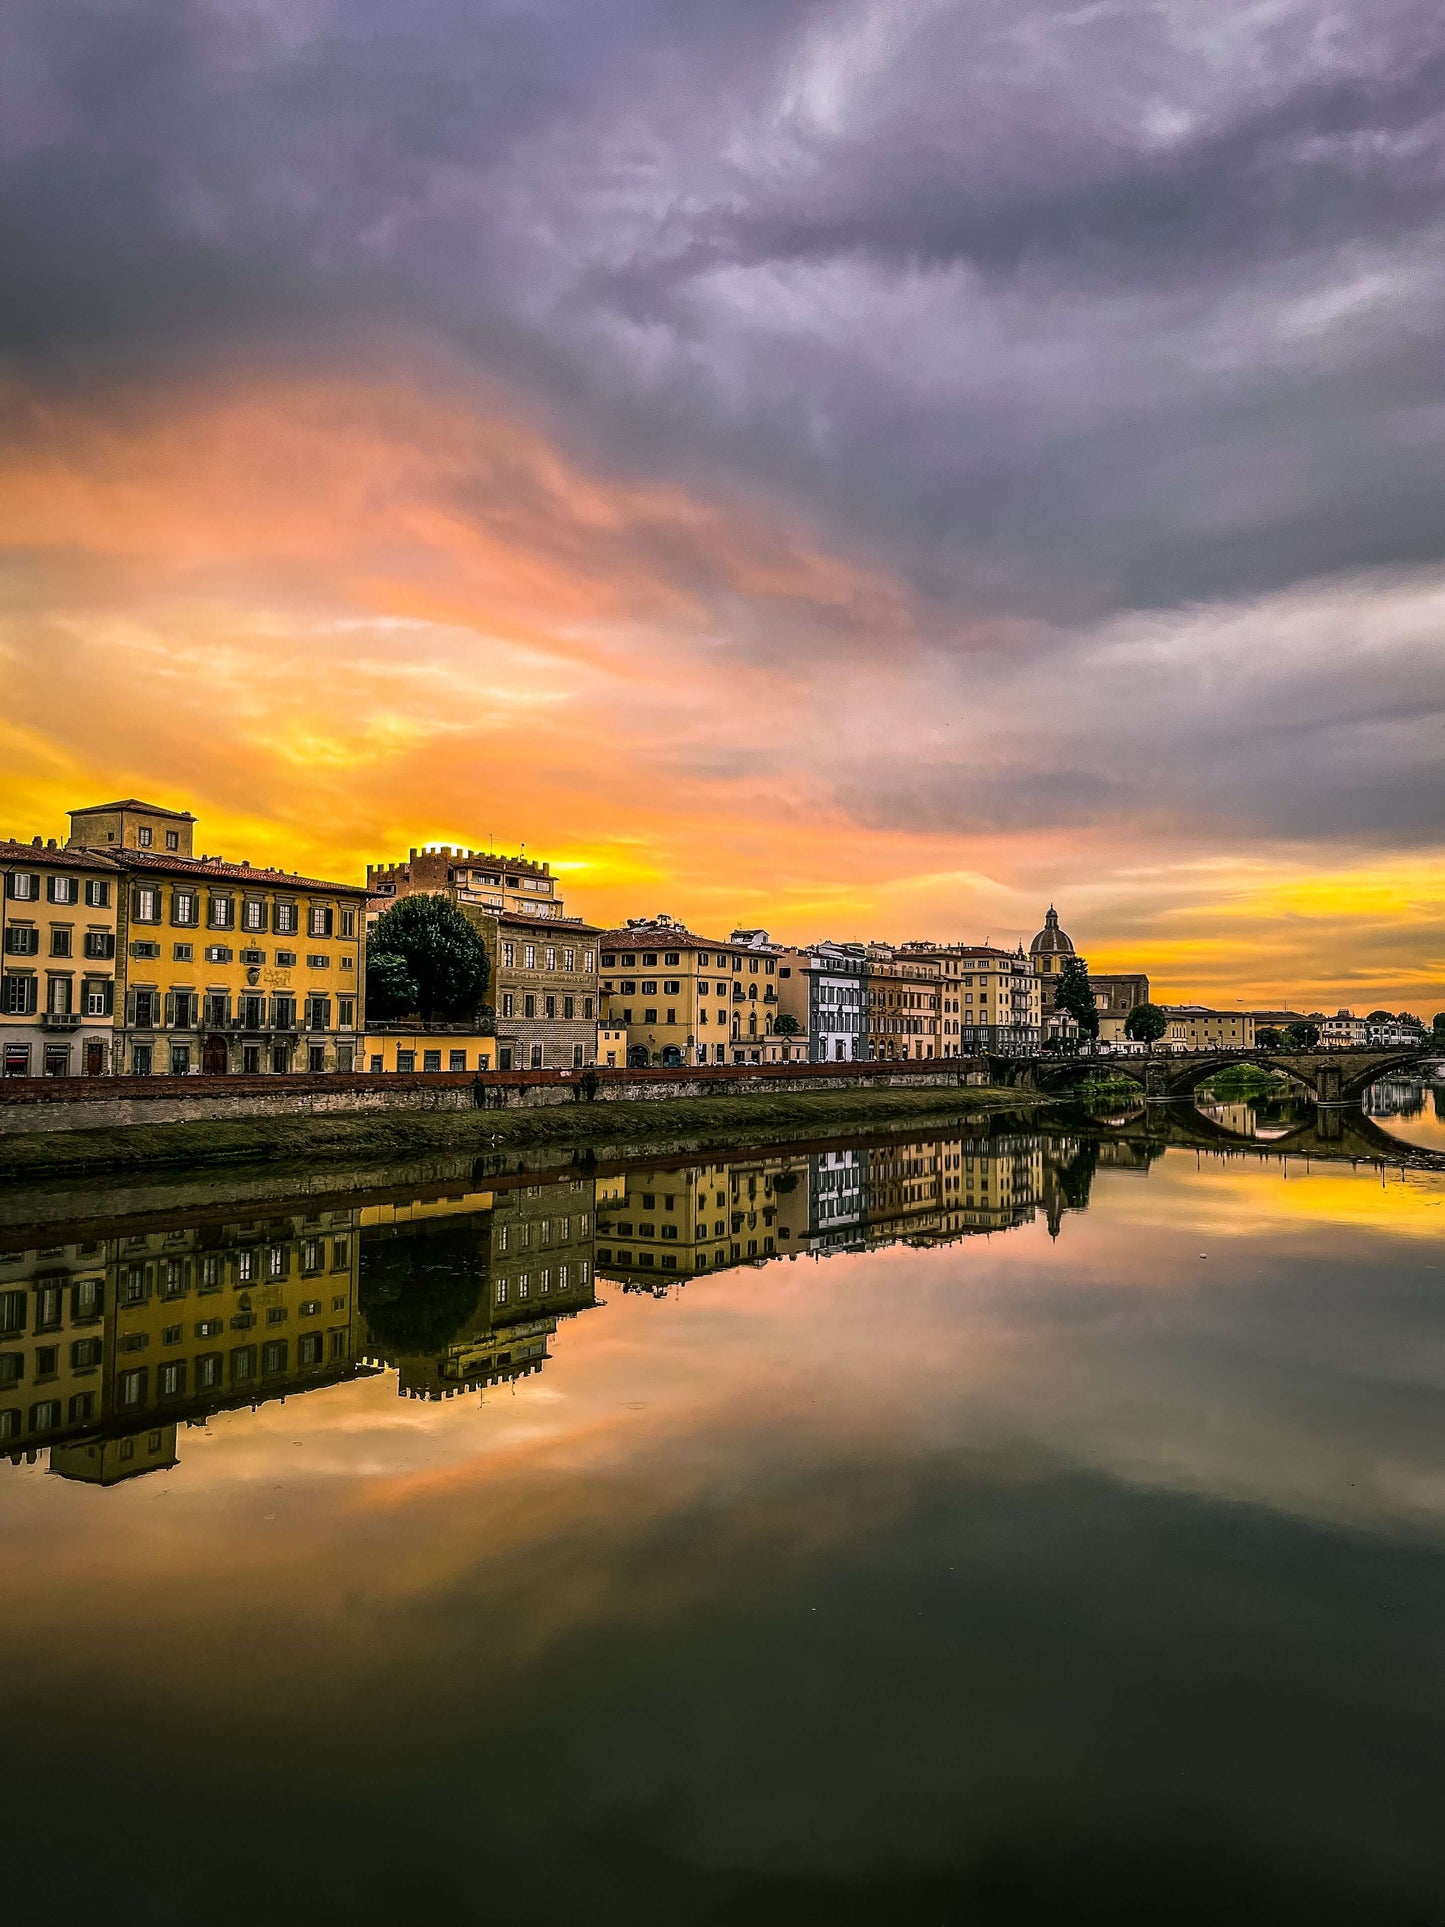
(1000, 1529)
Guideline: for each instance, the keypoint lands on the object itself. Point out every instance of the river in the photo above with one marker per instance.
(1007, 1526)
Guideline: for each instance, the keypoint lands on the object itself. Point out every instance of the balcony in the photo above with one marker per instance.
(62, 1020)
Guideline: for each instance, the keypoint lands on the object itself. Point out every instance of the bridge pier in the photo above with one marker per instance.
(1329, 1084)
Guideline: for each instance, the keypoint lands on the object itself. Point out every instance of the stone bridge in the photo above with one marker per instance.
(1330, 1077)
(1339, 1134)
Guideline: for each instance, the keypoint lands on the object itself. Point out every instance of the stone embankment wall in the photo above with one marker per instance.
(32, 1104)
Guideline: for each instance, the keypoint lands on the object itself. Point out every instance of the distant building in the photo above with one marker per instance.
(1197, 1027)
(989, 999)
(427, 1047)
(835, 983)
(1115, 995)
(904, 1005)
(1344, 1031)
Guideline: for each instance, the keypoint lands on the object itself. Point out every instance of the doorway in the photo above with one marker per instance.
(213, 1057)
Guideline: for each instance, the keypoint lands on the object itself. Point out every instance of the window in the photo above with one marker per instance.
(133, 1386)
(283, 919)
(318, 960)
(171, 1378)
(173, 839)
(406, 1060)
(309, 1349)
(63, 890)
(23, 885)
(586, 1006)
(218, 953)
(431, 1060)
(223, 913)
(273, 1357)
(456, 1060)
(146, 905)
(348, 923)
(253, 913)
(322, 919)
(577, 1057)
(318, 1013)
(97, 893)
(23, 940)
(529, 956)
(144, 836)
(509, 954)
(185, 907)
(507, 1004)
(536, 1057)
(14, 1306)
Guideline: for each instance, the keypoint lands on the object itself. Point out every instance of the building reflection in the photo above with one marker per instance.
(661, 1226)
(463, 1293)
(112, 1345)
(109, 1346)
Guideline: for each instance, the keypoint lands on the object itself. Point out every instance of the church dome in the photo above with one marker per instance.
(1051, 941)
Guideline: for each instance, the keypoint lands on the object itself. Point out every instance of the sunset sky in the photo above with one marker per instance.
(865, 467)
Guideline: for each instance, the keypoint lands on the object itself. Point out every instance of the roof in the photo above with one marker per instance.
(167, 863)
(574, 926)
(133, 803)
(662, 936)
(1051, 941)
(57, 856)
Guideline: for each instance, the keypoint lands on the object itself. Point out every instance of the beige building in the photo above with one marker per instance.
(905, 1005)
(989, 999)
(58, 944)
(1196, 1027)
(222, 966)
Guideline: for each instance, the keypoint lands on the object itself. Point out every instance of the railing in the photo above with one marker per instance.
(60, 1020)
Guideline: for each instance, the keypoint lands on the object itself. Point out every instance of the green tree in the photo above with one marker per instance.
(423, 946)
(786, 1026)
(1072, 994)
(1302, 1036)
(1145, 1024)
(391, 990)
(419, 1287)
(1381, 1017)
(1269, 1038)
(1437, 1026)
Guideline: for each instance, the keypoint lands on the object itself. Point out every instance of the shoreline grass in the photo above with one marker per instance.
(315, 1139)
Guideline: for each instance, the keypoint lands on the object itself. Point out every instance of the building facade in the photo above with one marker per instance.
(426, 1047)
(223, 967)
(686, 999)
(989, 999)
(542, 964)
(57, 961)
(1196, 1027)
(831, 981)
(904, 1005)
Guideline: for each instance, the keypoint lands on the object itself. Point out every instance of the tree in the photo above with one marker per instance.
(391, 990)
(1268, 1038)
(424, 948)
(1072, 994)
(1145, 1024)
(1381, 1017)
(418, 1288)
(786, 1026)
(1302, 1036)
(1437, 1026)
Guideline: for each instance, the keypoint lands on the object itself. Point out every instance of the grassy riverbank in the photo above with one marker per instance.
(305, 1141)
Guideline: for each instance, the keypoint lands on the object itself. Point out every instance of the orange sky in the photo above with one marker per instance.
(338, 619)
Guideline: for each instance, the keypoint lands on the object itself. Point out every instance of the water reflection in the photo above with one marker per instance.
(1063, 1521)
(111, 1346)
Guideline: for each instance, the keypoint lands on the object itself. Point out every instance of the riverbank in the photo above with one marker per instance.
(704, 1121)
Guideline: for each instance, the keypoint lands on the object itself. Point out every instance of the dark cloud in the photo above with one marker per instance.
(1052, 312)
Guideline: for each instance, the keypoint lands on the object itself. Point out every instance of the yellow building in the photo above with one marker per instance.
(57, 992)
(436, 1047)
(221, 966)
(611, 1046)
(685, 999)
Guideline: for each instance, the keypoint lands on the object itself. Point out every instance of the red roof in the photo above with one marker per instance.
(169, 864)
(60, 858)
(660, 936)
